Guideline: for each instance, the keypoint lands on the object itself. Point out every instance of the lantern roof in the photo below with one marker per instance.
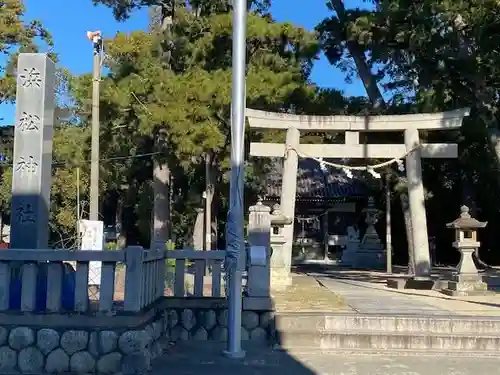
(466, 221)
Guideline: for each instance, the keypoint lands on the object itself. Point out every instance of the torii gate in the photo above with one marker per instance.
(352, 126)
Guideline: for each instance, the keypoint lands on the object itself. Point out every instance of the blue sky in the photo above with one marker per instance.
(69, 23)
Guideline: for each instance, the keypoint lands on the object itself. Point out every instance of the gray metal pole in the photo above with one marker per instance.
(235, 230)
(94, 167)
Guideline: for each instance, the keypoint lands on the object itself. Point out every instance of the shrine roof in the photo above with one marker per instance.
(313, 182)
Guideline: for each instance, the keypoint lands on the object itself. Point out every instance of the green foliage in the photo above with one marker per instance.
(190, 98)
(111, 246)
(68, 154)
(123, 8)
(431, 56)
(16, 35)
(424, 56)
(170, 245)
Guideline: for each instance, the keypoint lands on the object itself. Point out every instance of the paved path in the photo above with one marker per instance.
(366, 299)
(369, 297)
(208, 361)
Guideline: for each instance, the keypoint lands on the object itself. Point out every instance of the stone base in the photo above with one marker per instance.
(396, 283)
(419, 283)
(466, 278)
(370, 259)
(464, 285)
(472, 293)
(348, 257)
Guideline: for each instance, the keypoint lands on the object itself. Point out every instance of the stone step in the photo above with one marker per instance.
(379, 341)
(385, 323)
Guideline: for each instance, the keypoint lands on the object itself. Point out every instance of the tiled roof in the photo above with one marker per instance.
(312, 182)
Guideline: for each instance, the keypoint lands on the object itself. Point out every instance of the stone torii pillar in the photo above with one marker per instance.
(289, 188)
(352, 126)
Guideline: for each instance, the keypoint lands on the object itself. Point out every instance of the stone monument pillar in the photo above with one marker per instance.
(32, 160)
(371, 252)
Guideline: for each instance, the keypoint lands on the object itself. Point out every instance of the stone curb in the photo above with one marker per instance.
(390, 342)
(430, 324)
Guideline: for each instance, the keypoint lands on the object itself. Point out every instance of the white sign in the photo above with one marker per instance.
(92, 235)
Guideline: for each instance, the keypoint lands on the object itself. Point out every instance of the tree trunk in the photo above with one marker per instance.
(161, 204)
(161, 170)
(357, 53)
(121, 238)
(494, 138)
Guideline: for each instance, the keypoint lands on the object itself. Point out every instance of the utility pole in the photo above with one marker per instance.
(95, 37)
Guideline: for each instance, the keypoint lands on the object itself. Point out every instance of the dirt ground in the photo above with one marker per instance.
(307, 295)
(304, 295)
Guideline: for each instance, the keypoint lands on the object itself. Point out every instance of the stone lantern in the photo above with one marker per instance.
(370, 253)
(466, 280)
(371, 218)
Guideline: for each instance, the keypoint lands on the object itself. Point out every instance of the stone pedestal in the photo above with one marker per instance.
(465, 285)
(467, 281)
(370, 255)
(351, 250)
